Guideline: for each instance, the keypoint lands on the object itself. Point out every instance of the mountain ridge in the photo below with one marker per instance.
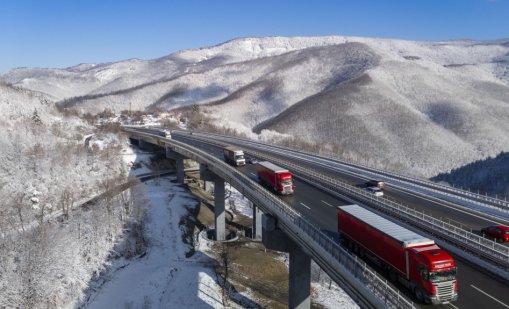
(418, 107)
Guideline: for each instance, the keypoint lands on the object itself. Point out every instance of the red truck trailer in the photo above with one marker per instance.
(275, 177)
(415, 261)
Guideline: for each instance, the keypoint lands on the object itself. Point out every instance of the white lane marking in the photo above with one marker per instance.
(327, 203)
(305, 205)
(253, 174)
(453, 306)
(478, 289)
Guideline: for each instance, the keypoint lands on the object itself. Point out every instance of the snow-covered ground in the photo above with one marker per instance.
(164, 277)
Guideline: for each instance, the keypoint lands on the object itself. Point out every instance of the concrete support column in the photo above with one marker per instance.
(299, 280)
(179, 162)
(180, 169)
(219, 212)
(170, 154)
(257, 223)
(205, 176)
(207, 186)
(300, 263)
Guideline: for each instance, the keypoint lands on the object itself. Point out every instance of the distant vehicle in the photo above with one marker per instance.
(497, 232)
(165, 133)
(409, 258)
(275, 177)
(251, 160)
(375, 183)
(375, 191)
(234, 156)
(152, 130)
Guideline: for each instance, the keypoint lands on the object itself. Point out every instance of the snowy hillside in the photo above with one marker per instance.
(418, 108)
(50, 163)
(17, 103)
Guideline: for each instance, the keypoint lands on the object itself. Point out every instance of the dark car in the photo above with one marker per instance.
(497, 232)
(251, 160)
(375, 183)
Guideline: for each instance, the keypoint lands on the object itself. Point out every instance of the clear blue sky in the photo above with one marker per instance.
(58, 33)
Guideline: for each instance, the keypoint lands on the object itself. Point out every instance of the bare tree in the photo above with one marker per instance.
(224, 259)
(108, 185)
(66, 201)
(17, 203)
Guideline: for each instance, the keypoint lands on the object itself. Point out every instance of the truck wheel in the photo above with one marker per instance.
(419, 295)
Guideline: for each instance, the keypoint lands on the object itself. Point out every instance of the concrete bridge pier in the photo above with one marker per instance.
(299, 294)
(203, 176)
(180, 169)
(179, 159)
(219, 207)
(257, 223)
(144, 145)
(219, 212)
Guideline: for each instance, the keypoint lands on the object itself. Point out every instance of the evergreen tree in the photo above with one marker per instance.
(36, 118)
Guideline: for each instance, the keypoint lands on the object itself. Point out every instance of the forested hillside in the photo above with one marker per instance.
(417, 108)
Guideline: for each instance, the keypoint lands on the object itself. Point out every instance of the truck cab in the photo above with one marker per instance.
(234, 156)
(435, 271)
(285, 184)
(239, 158)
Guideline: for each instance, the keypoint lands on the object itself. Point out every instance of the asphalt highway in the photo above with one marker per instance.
(477, 289)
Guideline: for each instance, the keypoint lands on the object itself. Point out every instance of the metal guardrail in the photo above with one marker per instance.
(361, 282)
(490, 250)
(474, 206)
(466, 240)
(449, 191)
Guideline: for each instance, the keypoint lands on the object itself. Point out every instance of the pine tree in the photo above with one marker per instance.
(35, 117)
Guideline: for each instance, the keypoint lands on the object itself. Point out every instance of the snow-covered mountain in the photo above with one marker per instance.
(415, 107)
(18, 103)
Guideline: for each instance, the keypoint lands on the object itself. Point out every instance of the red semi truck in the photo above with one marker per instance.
(277, 178)
(413, 260)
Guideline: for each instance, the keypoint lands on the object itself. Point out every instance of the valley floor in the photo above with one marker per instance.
(165, 278)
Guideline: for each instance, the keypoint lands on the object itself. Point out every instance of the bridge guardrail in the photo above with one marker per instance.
(260, 196)
(466, 240)
(490, 250)
(456, 192)
(336, 259)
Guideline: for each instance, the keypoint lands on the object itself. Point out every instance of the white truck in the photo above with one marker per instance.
(234, 156)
